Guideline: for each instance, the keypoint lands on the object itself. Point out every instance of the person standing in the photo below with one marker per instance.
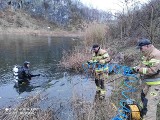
(149, 70)
(101, 58)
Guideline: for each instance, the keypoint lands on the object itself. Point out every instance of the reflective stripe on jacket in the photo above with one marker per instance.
(102, 56)
(101, 68)
(150, 67)
(155, 81)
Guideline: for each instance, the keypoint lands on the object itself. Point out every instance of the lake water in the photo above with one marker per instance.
(44, 53)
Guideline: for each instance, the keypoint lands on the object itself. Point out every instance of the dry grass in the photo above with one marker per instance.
(95, 33)
(94, 109)
(18, 19)
(27, 111)
(75, 59)
(99, 109)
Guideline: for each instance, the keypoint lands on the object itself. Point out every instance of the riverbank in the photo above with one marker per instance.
(40, 32)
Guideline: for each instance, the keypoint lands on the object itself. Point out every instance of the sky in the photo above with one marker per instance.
(111, 5)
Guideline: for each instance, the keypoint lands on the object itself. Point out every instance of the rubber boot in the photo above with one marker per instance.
(143, 104)
(103, 91)
(102, 84)
(102, 94)
(97, 82)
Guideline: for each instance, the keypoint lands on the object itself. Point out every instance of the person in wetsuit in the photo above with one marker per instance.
(24, 74)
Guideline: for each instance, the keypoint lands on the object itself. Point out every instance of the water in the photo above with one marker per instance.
(44, 53)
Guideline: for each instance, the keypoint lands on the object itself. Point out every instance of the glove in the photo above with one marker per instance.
(102, 62)
(29, 76)
(92, 61)
(89, 62)
(35, 75)
(135, 69)
(38, 74)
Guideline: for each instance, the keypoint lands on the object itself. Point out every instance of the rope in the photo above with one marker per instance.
(88, 67)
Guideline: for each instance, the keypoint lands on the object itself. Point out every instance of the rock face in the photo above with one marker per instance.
(61, 12)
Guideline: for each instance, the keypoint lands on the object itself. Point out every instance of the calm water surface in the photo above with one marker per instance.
(44, 53)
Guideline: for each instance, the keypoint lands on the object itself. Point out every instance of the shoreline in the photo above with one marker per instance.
(41, 32)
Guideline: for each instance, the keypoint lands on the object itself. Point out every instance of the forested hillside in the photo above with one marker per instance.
(138, 21)
(60, 12)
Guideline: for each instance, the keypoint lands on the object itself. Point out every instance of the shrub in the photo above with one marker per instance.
(75, 59)
(95, 33)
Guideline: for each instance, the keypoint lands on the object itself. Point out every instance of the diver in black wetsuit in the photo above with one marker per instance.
(24, 74)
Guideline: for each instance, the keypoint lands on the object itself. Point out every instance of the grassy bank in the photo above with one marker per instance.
(27, 110)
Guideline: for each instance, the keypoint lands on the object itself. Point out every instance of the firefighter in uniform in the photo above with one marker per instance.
(101, 57)
(149, 70)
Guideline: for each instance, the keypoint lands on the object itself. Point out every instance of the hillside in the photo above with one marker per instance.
(64, 13)
(11, 21)
(20, 22)
(20, 19)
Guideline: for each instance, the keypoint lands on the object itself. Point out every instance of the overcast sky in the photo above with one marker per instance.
(112, 5)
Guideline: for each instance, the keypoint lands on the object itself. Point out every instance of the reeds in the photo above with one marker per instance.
(95, 33)
(27, 111)
(75, 59)
(97, 110)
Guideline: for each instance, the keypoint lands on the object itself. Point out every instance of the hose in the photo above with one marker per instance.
(129, 79)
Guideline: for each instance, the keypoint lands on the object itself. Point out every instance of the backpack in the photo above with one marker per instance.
(17, 72)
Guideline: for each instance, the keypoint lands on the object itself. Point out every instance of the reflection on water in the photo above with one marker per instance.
(25, 87)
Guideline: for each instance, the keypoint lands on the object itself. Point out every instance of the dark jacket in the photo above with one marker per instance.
(24, 73)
